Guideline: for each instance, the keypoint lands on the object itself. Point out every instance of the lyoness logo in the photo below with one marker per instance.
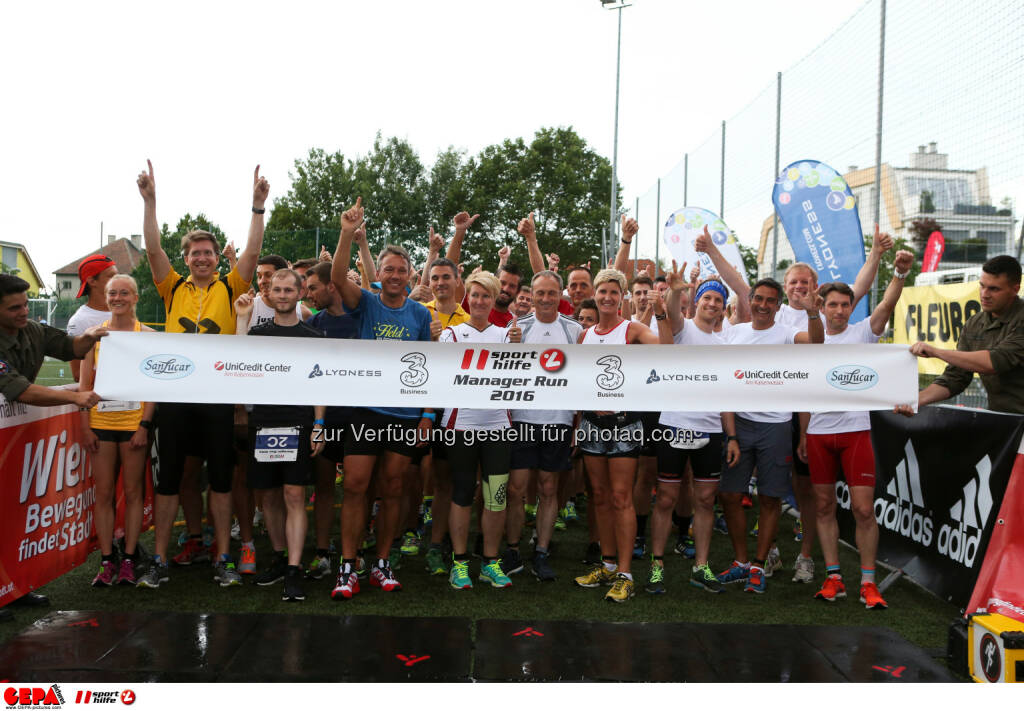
(852, 377)
(902, 510)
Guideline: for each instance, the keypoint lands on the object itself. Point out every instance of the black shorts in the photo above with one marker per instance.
(372, 433)
(271, 475)
(650, 446)
(334, 434)
(799, 466)
(199, 430)
(116, 436)
(706, 461)
(472, 449)
(545, 447)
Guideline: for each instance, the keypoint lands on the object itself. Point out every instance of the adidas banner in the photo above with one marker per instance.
(169, 367)
(941, 476)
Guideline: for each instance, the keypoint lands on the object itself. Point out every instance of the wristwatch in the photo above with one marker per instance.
(732, 438)
(148, 424)
(901, 275)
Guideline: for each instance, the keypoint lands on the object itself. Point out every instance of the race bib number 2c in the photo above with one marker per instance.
(276, 444)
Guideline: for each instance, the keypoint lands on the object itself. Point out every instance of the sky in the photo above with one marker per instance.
(209, 90)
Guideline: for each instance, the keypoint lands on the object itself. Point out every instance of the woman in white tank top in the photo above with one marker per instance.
(611, 441)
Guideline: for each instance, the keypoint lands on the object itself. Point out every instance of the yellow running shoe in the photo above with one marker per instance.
(622, 589)
(598, 575)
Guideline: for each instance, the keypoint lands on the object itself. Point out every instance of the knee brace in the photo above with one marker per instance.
(495, 491)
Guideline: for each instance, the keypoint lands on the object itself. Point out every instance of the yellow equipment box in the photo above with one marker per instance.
(997, 648)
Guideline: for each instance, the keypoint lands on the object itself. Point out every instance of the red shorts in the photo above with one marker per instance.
(852, 451)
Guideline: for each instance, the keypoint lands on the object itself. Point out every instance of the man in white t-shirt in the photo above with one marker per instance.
(765, 438)
(93, 272)
(544, 444)
(262, 311)
(835, 440)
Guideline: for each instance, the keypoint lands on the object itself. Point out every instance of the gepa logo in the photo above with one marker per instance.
(852, 377)
(33, 697)
(167, 366)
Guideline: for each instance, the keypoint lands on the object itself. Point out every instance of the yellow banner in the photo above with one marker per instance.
(936, 315)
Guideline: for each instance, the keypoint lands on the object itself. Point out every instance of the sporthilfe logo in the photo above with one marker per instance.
(852, 377)
(167, 366)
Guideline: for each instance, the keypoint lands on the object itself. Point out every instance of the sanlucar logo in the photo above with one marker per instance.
(852, 377)
(167, 366)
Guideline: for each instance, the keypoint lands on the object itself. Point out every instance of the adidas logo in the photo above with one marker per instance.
(971, 514)
(904, 513)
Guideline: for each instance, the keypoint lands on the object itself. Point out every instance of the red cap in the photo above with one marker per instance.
(90, 267)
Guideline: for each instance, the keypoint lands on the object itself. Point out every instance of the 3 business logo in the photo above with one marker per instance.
(416, 374)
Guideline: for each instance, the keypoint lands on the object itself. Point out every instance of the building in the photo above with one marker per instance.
(958, 200)
(16, 261)
(126, 253)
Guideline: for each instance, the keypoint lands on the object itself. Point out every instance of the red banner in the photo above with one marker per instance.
(933, 252)
(1000, 586)
(47, 495)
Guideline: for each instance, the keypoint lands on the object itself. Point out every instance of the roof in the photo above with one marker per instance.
(31, 264)
(124, 253)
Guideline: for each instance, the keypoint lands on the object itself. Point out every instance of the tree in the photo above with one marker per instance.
(885, 270)
(920, 230)
(392, 182)
(150, 308)
(749, 255)
(323, 184)
(927, 204)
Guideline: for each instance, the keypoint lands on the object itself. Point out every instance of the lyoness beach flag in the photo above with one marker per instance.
(819, 214)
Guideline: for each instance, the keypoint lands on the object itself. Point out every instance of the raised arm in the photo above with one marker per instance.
(254, 242)
(369, 269)
(435, 245)
(665, 335)
(901, 265)
(159, 264)
(732, 278)
(351, 220)
(866, 276)
(243, 313)
(811, 303)
(528, 229)
(462, 224)
(629, 230)
(673, 305)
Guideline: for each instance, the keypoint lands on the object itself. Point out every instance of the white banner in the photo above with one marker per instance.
(181, 367)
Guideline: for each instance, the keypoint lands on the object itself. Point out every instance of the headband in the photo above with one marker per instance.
(712, 285)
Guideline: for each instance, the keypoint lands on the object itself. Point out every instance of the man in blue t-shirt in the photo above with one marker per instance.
(387, 316)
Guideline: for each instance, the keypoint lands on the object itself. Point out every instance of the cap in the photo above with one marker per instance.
(90, 267)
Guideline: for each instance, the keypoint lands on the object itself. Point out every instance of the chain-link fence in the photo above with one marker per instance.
(947, 94)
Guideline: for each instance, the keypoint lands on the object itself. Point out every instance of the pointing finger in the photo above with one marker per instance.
(150, 164)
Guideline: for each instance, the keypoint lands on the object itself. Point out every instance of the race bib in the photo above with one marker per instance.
(117, 406)
(689, 439)
(276, 444)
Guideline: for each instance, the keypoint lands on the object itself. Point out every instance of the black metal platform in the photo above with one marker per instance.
(172, 647)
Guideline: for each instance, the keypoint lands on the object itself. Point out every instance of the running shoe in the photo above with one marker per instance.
(686, 547)
(702, 577)
(410, 544)
(293, 591)
(208, 537)
(153, 577)
(569, 512)
(592, 556)
(598, 575)
(428, 518)
(459, 578)
(832, 589)
(720, 525)
(346, 586)
(656, 580)
(319, 567)
(798, 531)
(395, 557)
(107, 575)
(192, 552)
(747, 502)
(511, 562)
(360, 567)
(756, 528)
(559, 523)
(773, 562)
(384, 578)
(275, 573)
(531, 511)
(871, 598)
(491, 573)
(247, 559)
(755, 581)
(737, 572)
(803, 570)
(622, 589)
(226, 574)
(126, 575)
(639, 547)
(541, 568)
(435, 562)
(236, 530)
(257, 521)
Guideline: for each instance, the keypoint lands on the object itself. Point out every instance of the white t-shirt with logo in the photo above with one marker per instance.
(691, 335)
(261, 312)
(839, 422)
(84, 318)
(778, 335)
(560, 332)
(465, 418)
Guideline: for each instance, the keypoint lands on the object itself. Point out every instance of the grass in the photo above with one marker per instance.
(914, 613)
(54, 372)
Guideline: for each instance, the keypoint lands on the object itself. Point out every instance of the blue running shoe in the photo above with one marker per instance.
(720, 525)
(755, 581)
(736, 572)
(639, 547)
